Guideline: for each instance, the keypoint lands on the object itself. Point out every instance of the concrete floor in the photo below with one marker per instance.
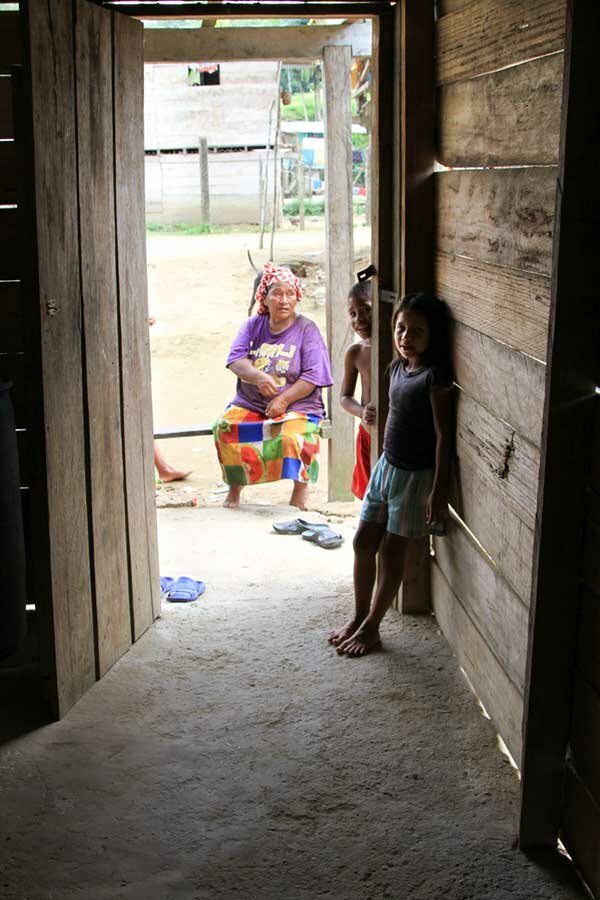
(232, 754)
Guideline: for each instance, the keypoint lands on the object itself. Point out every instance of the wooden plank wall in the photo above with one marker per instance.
(85, 318)
(14, 360)
(574, 586)
(581, 816)
(499, 85)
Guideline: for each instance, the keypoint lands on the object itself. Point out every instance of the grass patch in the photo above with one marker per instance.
(294, 112)
(182, 228)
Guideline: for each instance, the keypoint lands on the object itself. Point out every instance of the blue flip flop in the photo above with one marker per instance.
(325, 537)
(166, 583)
(185, 590)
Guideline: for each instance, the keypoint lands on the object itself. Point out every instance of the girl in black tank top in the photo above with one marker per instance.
(407, 494)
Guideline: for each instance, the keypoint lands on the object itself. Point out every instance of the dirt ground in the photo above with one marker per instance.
(199, 291)
(231, 754)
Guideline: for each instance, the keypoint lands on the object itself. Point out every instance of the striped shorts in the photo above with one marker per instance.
(397, 498)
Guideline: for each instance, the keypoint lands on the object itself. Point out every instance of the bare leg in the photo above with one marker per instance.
(232, 500)
(366, 544)
(392, 554)
(165, 471)
(299, 496)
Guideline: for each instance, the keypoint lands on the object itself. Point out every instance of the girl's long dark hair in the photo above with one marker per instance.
(439, 319)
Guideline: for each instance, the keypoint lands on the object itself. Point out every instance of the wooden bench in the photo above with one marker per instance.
(205, 429)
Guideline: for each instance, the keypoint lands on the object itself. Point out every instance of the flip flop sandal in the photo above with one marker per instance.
(166, 583)
(185, 590)
(297, 526)
(326, 538)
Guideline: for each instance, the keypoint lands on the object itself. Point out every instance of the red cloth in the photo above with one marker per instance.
(362, 467)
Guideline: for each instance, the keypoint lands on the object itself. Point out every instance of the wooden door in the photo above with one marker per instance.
(499, 106)
(94, 548)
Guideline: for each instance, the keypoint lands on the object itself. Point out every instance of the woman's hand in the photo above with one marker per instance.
(277, 407)
(437, 507)
(368, 415)
(266, 384)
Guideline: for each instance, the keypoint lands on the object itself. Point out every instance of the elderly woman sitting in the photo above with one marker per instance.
(271, 429)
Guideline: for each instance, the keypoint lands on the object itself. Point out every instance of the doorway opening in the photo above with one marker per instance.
(237, 174)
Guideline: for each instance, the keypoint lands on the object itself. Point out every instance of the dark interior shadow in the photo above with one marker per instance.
(559, 866)
(22, 705)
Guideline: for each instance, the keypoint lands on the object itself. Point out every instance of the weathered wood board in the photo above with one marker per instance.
(499, 453)
(10, 40)
(51, 38)
(93, 46)
(509, 305)
(339, 276)
(9, 257)
(499, 614)
(589, 639)
(508, 118)
(8, 172)
(24, 451)
(12, 368)
(504, 217)
(585, 736)
(385, 211)
(450, 6)
(494, 34)
(591, 572)
(11, 318)
(133, 312)
(6, 114)
(566, 455)
(299, 43)
(509, 383)
(497, 692)
(478, 497)
(580, 830)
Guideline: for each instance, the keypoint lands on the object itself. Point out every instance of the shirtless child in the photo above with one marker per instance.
(358, 362)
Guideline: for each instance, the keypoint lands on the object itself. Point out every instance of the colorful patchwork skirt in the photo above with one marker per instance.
(255, 450)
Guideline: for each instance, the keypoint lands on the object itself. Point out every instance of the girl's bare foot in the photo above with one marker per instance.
(341, 634)
(232, 500)
(299, 496)
(361, 642)
(169, 474)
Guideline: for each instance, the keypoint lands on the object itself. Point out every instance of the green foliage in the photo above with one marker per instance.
(183, 228)
(294, 112)
(313, 207)
(360, 141)
(316, 206)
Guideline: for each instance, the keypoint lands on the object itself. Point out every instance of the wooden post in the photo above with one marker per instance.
(340, 256)
(416, 156)
(572, 370)
(275, 217)
(368, 184)
(263, 201)
(300, 180)
(204, 190)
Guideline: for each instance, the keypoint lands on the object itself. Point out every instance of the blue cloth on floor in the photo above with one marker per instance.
(166, 583)
(185, 590)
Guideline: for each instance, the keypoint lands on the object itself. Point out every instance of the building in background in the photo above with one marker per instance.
(229, 104)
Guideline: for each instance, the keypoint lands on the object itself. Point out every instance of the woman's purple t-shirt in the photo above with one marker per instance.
(297, 352)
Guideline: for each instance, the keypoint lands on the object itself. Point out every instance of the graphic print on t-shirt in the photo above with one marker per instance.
(274, 359)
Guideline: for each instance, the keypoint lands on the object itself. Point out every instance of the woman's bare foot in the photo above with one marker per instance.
(342, 634)
(361, 642)
(299, 496)
(169, 474)
(232, 500)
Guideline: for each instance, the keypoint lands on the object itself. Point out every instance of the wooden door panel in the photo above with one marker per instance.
(93, 46)
(128, 63)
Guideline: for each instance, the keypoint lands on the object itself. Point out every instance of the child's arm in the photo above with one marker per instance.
(347, 400)
(442, 407)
